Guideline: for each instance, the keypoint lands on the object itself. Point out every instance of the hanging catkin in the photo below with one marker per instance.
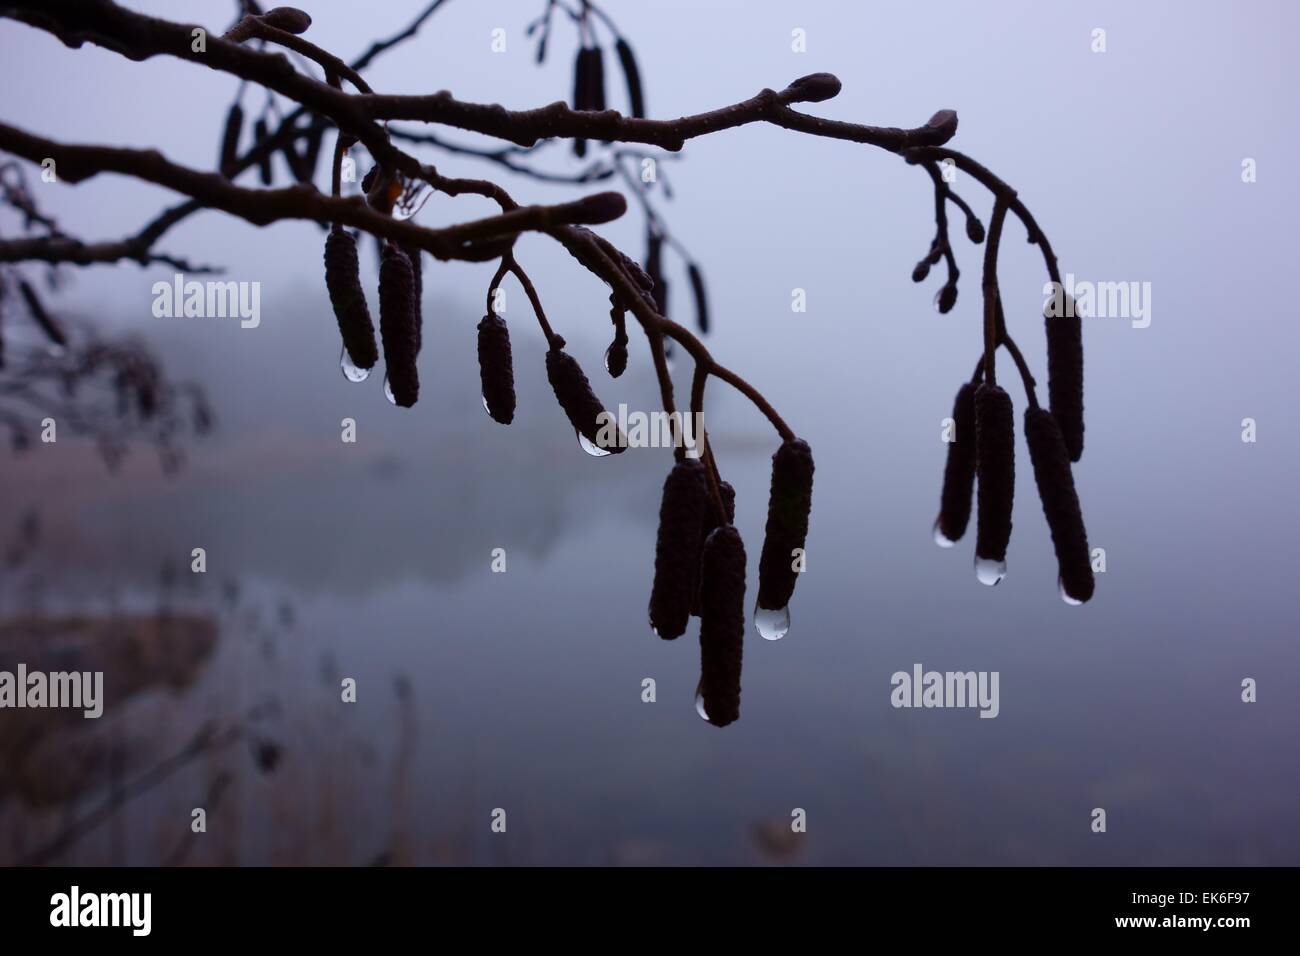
(788, 506)
(655, 272)
(722, 624)
(1065, 373)
(677, 550)
(397, 324)
(696, 275)
(627, 60)
(579, 402)
(260, 133)
(1050, 457)
(230, 140)
(959, 470)
(995, 444)
(711, 521)
(343, 279)
(581, 93)
(412, 254)
(496, 368)
(53, 331)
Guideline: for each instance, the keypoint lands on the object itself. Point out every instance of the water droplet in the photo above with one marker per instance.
(388, 391)
(607, 351)
(485, 406)
(699, 701)
(1060, 585)
(594, 451)
(941, 539)
(351, 372)
(772, 625)
(990, 572)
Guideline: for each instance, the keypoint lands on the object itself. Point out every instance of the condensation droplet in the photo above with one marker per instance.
(594, 451)
(1073, 602)
(699, 701)
(941, 539)
(350, 371)
(989, 571)
(772, 625)
(388, 391)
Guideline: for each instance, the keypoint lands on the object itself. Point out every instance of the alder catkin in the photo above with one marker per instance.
(310, 155)
(995, 457)
(343, 279)
(575, 396)
(722, 624)
(397, 324)
(260, 133)
(230, 140)
(696, 277)
(412, 254)
(655, 273)
(677, 550)
(496, 368)
(788, 506)
(581, 93)
(635, 95)
(711, 521)
(1065, 373)
(1052, 473)
(53, 331)
(959, 470)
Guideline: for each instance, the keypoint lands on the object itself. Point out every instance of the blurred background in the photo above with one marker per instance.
(522, 690)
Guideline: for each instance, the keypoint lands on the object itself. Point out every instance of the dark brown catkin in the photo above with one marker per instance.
(230, 140)
(596, 77)
(959, 470)
(635, 95)
(654, 271)
(311, 154)
(417, 274)
(53, 331)
(496, 368)
(343, 279)
(677, 549)
(397, 326)
(711, 521)
(788, 506)
(722, 624)
(260, 133)
(581, 93)
(995, 457)
(1050, 457)
(1065, 373)
(575, 396)
(696, 275)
